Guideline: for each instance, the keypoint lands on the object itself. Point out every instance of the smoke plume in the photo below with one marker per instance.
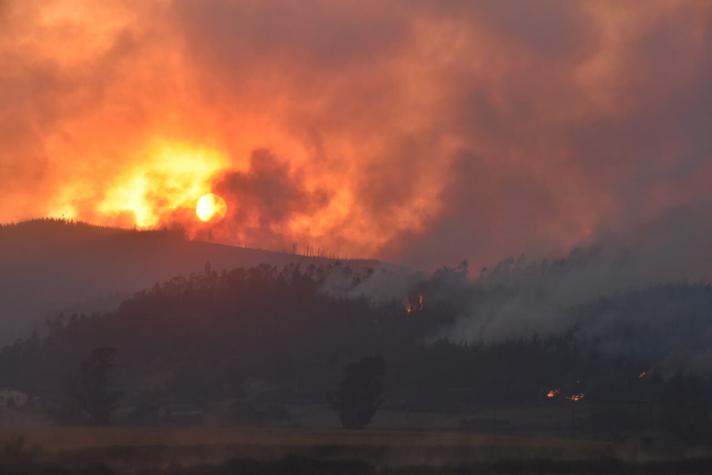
(415, 131)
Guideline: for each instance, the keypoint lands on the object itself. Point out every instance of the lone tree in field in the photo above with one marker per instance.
(360, 392)
(98, 400)
(684, 409)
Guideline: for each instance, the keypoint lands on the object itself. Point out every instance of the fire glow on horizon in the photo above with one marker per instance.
(415, 131)
(170, 180)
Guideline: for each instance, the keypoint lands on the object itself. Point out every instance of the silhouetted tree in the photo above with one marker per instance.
(684, 409)
(360, 392)
(98, 400)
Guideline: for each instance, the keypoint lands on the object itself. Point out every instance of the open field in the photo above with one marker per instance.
(144, 450)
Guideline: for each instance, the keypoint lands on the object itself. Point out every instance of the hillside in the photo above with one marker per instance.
(265, 346)
(48, 266)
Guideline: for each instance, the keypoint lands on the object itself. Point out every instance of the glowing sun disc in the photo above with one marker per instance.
(210, 207)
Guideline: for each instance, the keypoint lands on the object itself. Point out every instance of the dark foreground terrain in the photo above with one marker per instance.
(213, 451)
(309, 367)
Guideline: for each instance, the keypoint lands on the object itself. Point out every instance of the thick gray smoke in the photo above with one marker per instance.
(645, 297)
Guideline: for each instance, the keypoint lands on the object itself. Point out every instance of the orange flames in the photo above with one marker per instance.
(135, 123)
(382, 115)
(169, 180)
(411, 307)
(556, 392)
(210, 207)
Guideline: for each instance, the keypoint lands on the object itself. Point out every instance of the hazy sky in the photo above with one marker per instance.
(417, 131)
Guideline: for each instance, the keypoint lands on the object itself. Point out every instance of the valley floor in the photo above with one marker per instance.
(198, 450)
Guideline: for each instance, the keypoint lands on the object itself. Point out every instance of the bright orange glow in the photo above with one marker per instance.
(552, 393)
(411, 307)
(169, 178)
(379, 142)
(210, 207)
(576, 397)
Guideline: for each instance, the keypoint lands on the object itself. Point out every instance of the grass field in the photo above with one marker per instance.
(127, 450)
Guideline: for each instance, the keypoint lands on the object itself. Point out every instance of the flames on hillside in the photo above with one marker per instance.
(415, 305)
(555, 393)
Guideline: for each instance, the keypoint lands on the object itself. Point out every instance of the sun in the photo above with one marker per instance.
(210, 207)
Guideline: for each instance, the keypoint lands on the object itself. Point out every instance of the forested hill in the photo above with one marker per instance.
(275, 334)
(52, 265)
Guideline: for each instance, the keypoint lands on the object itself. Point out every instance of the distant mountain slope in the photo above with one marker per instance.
(50, 265)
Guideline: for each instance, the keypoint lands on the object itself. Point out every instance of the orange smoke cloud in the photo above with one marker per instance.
(419, 131)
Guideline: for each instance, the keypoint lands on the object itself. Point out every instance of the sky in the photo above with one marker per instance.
(419, 131)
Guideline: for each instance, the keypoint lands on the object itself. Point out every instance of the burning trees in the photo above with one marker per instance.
(555, 393)
(576, 397)
(573, 398)
(415, 305)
